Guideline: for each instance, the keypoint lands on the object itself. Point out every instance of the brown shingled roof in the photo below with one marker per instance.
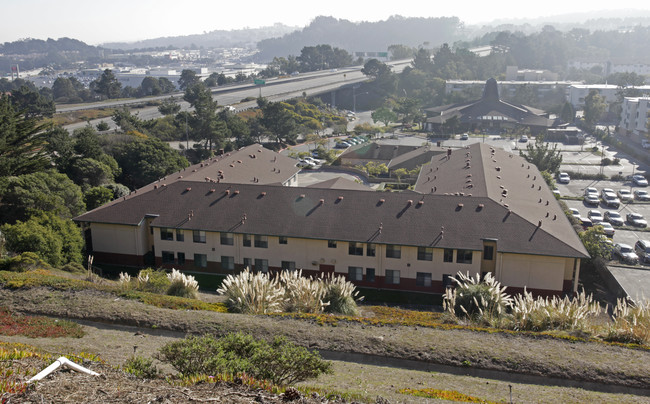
(346, 215)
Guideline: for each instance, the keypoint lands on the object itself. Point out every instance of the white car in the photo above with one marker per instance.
(563, 178)
(639, 180)
(626, 253)
(595, 216)
(624, 195)
(636, 219)
(641, 195)
(607, 228)
(614, 218)
(591, 191)
(575, 213)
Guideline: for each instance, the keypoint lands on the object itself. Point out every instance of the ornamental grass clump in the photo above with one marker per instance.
(154, 281)
(125, 281)
(341, 295)
(303, 294)
(253, 293)
(631, 323)
(182, 285)
(480, 301)
(541, 314)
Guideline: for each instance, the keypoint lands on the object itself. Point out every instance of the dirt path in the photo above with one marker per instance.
(594, 362)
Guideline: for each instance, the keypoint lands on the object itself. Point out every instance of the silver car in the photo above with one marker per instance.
(626, 253)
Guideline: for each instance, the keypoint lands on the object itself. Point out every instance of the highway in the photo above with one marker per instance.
(275, 89)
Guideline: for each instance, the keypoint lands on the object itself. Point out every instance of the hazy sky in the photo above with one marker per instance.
(95, 22)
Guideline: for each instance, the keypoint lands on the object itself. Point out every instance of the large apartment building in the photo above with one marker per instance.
(477, 210)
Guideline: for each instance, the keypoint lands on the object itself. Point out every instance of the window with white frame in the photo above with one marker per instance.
(261, 241)
(200, 260)
(423, 279)
(198, 236)
(227, 262)
(355, 273)
(226, 239)
(392, 277)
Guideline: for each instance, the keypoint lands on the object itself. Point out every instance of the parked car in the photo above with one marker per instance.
(639, 180)
(586, 223)
(575, 213)
(595, 216)
(314, 161)
(342, 145)
(642, 249)
(624, 195)
(563, 178)
(607, 228)
(305, 164)
(609, 198)
(592, 199)
(626, 253)
(636, 219)
(641, 195)
(614, 218)
(523, 139)
(464, 136)
(591, 191)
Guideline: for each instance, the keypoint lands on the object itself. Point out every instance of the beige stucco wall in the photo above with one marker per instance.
(120, 239)
(534, 271)
(308, 254)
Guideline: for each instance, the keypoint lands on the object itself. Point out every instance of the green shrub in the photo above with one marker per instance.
(280, 361)
(154, 281)
(140, 367)
(23, 262)
(74, 268)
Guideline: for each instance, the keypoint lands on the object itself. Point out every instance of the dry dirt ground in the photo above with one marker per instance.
(116, 328)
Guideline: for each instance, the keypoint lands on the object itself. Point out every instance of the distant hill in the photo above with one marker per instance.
(239, 38)
(38, 53)
(363, 36)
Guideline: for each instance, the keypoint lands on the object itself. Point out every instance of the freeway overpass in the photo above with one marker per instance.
(276, 89)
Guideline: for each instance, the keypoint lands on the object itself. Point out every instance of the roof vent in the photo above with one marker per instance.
(302, 196)
(498, 168)
(322, 201)
(212, 190)
(232, 165)
(547, 214)
(382, 200)
(460, 205)
(420, 202)
(155, 187)
(468, 175)
(194, 170)
(239, 161)
(201, 164)
(481, 206)
(259, 150)
(528, 176)
(227, 192)
(506, 205)
(263, 193)
(409, 202)
(236, 192)
(498, 177)
(188, 189)
(539, 188)
(547, 202)
(554, 217)
(180, 176)
(534, 178)
(164, 185)
(540, 224)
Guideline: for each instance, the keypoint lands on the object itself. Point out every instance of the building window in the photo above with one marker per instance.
(247, 240)
(261, 241)
(227, 262)
(248, 263)
(227, 239)
(289, 265)
(464, 256)
(355, 273)
(488, 252)
(200, 260)
(370, 250)
(166, 234)
(370, 274)
(425, 254)
(448, 281)
(423, 279)
(355, 249)
(392, 277)
(180, 236)
(449, 255)
(283, 240)
(331, 243)
(198, 236)
(181, 258)
(393, 251)
(261, 265)
(167, 257)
